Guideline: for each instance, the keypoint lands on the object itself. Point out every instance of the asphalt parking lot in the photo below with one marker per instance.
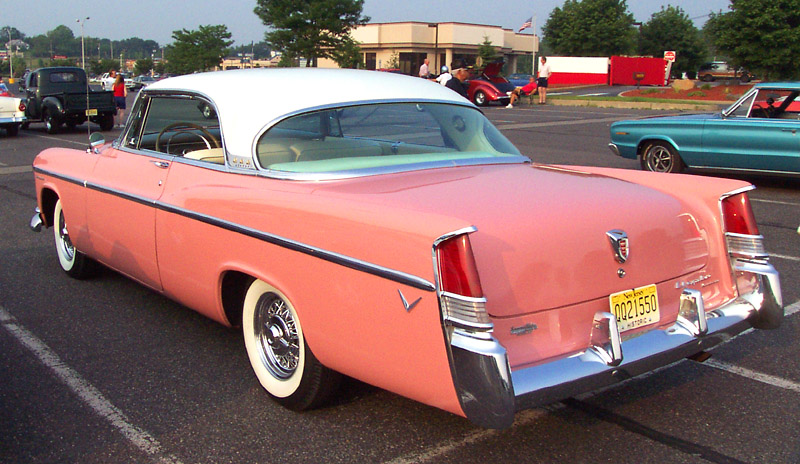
(105, 370)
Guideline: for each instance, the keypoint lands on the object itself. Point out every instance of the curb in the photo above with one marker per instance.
(711, 106)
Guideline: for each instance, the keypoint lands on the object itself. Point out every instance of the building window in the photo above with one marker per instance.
(410, 63)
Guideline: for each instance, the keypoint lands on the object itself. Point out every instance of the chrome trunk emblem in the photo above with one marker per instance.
(619, 242)
(406, 305)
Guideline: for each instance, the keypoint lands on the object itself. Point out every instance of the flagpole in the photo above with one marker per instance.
(533, 61)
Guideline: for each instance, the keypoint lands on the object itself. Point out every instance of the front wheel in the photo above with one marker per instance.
(72, 261)
(479, 98)
(661, 157)
(278, 352)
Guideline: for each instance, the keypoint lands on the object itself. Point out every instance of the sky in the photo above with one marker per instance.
(156, 19)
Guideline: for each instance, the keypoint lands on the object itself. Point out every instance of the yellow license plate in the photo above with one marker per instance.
(635, 308)
(91, 112)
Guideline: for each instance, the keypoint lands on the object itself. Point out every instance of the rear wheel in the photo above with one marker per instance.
(278, 352)
(708, 78)
(72, 261)
(51, 123)
(107, 123)
(661, 157)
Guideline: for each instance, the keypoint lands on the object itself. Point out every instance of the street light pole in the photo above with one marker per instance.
(10, 57)
(83, 50)
(436, 48)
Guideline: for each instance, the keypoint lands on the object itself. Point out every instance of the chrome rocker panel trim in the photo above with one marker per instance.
(491, 393)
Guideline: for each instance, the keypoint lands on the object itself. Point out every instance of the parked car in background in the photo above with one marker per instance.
(488, 85)
(758, 133)
(138, 82)
(709, 72)
(107, 81)
(61, 95)
(4, 92)
(519, 80)
(389, 232)
(12, 114)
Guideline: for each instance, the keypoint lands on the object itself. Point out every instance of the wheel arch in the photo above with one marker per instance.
(49, 198)
(645, 141)
(233, 288)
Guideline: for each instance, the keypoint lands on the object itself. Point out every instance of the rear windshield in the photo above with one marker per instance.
(380, 135)
(65, 77)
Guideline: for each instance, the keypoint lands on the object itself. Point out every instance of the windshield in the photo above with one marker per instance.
(380, 135)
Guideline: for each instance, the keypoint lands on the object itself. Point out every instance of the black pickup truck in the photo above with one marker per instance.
(61, 96)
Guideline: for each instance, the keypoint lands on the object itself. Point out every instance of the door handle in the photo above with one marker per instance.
(161, 164)
(793, 131)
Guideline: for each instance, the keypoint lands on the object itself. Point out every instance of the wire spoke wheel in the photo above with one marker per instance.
(276, 330)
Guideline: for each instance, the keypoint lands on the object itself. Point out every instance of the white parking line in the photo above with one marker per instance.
(753, 375)
(790, 258)
(433, 454)
(594, 94)
(15, 170)
(774, 202)
(85, 391)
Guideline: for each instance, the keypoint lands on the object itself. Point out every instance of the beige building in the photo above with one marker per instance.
(409, 43)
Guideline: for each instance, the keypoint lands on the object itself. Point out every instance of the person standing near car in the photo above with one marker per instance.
(423, 69)
(456, 84)
(444, 76)
(544, 76)
(120, 92)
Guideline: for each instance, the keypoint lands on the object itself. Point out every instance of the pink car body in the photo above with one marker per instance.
(469, 280)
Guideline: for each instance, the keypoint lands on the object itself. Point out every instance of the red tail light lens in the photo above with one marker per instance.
(22, 106)
(457, 269)
(738, 215)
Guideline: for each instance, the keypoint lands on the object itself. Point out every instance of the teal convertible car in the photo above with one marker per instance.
(759, 133)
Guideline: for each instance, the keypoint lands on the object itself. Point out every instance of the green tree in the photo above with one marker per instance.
(310, 29)
(591, 28)
(671, 29)
(394, 61)
(143, 66)
(761, 35)
(486, 51)
(350, 55)
(198, 50)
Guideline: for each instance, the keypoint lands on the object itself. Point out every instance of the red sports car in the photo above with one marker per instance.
(489, 86)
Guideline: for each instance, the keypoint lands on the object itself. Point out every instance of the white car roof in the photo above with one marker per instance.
(249, 100)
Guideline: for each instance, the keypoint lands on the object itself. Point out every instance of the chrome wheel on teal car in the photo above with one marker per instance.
(660, 157)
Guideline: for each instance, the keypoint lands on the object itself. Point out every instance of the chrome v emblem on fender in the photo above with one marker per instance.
(408, 307)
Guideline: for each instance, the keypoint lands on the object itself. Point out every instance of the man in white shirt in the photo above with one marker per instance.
(423, 69)
(544, 75)
(444, 76)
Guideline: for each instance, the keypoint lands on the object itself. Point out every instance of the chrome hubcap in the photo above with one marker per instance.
(276, 332)
(659, 159)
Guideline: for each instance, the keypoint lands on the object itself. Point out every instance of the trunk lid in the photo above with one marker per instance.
(542, 238)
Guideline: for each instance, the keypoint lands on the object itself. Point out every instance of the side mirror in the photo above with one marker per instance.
(96, 140)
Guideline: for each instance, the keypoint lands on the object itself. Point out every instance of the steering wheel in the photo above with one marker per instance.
(188, 125)
(759, 111)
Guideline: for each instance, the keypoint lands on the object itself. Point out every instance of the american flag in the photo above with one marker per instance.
(526, 24)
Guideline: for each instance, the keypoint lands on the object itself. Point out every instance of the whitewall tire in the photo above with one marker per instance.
(72, 261)
(278, 352)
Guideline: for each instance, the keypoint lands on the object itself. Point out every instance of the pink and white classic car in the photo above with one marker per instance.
(382, 228)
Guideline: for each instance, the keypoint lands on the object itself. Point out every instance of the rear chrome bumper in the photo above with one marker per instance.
(490, 393)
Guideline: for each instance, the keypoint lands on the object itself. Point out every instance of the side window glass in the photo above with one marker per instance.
(180, 126)
(744, 108)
